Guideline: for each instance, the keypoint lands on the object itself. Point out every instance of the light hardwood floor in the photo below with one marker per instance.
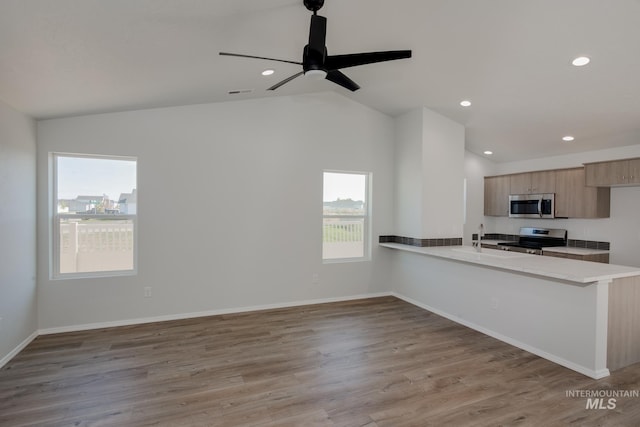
(374, 362)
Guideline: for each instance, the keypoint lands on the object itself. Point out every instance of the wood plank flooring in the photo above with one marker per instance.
(375, 362)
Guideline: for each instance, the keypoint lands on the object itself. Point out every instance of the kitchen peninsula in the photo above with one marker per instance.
(582, 315)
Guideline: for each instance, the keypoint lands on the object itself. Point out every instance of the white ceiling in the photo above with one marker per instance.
(511, 58)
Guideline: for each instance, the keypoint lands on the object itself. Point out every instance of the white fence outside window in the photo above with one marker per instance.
(109, 245)
(343, 238)
(96, 246)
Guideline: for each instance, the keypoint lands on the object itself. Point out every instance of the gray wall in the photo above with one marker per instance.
(17, 230)
(429, 169)
(229, 205)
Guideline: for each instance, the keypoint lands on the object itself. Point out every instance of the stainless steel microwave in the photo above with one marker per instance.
(532, 205)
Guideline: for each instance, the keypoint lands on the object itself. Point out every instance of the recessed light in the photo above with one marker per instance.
(568, 138)
(488, 153)
(580, 61)
(268, 72)
(465, 103)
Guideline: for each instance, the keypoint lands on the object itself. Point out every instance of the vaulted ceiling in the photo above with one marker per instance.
(510, 58)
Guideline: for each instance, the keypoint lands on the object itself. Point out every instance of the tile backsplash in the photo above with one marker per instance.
(457, 241)
(423, 243)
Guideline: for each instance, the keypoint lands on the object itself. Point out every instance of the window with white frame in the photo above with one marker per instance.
(345, 216)
(94, 215)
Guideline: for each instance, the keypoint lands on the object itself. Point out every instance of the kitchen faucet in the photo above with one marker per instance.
(478, 243)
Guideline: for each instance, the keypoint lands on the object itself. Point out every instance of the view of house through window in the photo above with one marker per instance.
(345, 216)
(95, 208)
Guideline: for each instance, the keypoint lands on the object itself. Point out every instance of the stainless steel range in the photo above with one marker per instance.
(533, 240)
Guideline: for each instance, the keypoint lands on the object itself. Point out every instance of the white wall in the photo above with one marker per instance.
(17, 230)
(622, 228)
(408, 180)
(429, 175)
(476, 168)
(244, 181)
(443, 175)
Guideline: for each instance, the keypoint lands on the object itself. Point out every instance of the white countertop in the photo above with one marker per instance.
(557, 268)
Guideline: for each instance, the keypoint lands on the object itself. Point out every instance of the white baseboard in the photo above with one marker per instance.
(18, 349)
(180, 316)
(595, 374)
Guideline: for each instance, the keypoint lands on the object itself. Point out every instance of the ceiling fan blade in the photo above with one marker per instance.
(259, 57)
(318, 33)
(340, 79)
(287, 80)
(336, 62)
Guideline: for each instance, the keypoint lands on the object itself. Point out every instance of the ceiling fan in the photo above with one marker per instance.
(315, 61)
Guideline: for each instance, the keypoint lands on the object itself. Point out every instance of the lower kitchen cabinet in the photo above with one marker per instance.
(603, 258)
(490, 246)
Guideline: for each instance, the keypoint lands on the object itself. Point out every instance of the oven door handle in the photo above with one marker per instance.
(540, 207)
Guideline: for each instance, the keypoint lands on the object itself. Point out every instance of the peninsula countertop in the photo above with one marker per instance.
(582, 272)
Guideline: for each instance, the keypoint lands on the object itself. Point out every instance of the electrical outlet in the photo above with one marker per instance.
(495, 303)
(0, 323)
(315, 279)
(147, 291)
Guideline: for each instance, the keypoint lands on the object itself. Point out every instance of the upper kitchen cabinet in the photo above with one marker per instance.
(533, 182)
(575, 200)
(496, 195)
(612, 173)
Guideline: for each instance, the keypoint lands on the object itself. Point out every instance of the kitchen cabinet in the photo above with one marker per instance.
(575, 200)
(520, 183)
(496, 195)
(533, 182)
(489, 246)
(603, 258)
(612, 173)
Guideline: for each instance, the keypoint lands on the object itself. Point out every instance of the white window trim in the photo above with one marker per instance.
(367, 228)
(54, 263)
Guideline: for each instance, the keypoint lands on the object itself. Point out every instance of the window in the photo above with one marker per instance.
(345, 216)
(94, 216)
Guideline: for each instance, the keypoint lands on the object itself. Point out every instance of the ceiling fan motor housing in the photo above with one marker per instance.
(313, 5)
(313, 60)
